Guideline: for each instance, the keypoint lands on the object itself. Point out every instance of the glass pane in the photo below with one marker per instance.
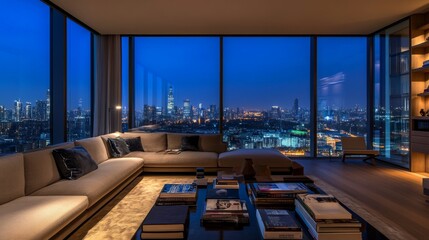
(177, 84)
(78, 81)
(267, 93)
(391, 94)
(125, 81)
(341, 91)
(24, 75)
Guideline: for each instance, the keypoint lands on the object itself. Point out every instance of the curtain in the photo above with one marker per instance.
(107, 84)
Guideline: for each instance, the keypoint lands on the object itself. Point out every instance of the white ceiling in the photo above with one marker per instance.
(240, 16)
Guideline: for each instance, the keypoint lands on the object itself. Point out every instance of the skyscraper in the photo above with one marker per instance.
(2, 113)
(41, 111)
(28, 110)
(186, 109)
(275, 112)
(295, 106)
(48, 103)
(170, 101)
(18, 110)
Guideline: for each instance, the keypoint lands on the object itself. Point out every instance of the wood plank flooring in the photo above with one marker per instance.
(395, 194)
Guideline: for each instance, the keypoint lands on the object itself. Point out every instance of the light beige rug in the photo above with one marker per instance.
(121, 217)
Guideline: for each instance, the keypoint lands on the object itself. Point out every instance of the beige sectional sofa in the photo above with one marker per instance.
(35, 203)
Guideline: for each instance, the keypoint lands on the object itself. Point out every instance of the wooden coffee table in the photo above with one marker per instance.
(197, 231)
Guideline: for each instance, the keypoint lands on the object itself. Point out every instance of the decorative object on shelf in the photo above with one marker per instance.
(422, 112)
(426, 63)
(247, 169)
(427, 113)
(426, 90)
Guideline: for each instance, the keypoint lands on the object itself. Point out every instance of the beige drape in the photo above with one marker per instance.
(107, 84)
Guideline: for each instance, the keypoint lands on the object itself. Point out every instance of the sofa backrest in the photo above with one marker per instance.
(95, 147)
(12, 178)
(207, 142)
(41, 169)
(151, 142)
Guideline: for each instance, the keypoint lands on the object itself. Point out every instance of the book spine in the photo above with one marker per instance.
(305, 216)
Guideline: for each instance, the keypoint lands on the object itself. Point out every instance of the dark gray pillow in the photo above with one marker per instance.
(117, 147)
(134, 144)
(73, 163)
(190, 143)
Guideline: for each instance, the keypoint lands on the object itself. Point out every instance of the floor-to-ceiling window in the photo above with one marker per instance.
(391, 94)
(266, 93)
(24, 75)
(78, 81)
(177, 84)
(125, 82)
(341, 91)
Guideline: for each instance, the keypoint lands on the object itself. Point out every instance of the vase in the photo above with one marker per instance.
(247, 169)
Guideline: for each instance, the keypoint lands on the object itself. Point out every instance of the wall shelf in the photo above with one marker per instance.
(422, 69)
(423, 94)
(421, 45)
(419, 135)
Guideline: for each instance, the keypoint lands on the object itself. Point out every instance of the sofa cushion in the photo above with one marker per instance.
(95, 147)
(12, 180)
(151, 142)
(190, 143)
(206, 143)
(98, 183)
(269, 157)
(73, 163)
(174, 140)
(184, 159)
(40, 168)
(118, 147)
(134, 144)
(39, 217)
(212, 143)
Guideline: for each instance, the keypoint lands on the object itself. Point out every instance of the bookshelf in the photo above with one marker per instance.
(419, 136)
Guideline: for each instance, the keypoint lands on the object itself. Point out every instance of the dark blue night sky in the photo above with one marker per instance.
(258, 71)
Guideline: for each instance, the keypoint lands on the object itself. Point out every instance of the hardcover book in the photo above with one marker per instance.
(222, 194)
(225, 184)
(162, 235)
(280, 187)
(323, 206)
(327, 225)
(225, 205)
(166, 219)
(277, 224)
(178, 190)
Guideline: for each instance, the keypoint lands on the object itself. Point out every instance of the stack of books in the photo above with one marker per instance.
(160, 223)
(225, 184)
(177, 194)
(275, 195)
(326, 219)
(225, 211)
(277, 224)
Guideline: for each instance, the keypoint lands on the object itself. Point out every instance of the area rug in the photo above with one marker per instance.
(121, 217)
(391, 230)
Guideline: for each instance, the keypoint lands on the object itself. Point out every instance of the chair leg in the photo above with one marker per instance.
(344, 158)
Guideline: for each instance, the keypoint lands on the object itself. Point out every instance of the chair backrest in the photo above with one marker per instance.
(353, 143)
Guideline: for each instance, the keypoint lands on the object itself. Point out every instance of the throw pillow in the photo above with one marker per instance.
(134, 144)
(73, 163)
(190, 143)
(118, 147)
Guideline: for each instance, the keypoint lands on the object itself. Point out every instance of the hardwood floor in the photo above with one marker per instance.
(394, 194)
